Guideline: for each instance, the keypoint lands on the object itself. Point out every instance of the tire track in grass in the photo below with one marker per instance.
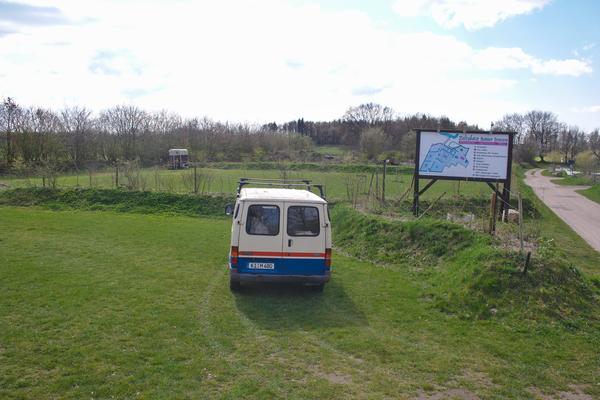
(371, 371)
(208, 309)
(255, 351)
(361, 371)
(295, 357)
(204, 313)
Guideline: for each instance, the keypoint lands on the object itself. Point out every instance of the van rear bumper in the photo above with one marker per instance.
(237, 277)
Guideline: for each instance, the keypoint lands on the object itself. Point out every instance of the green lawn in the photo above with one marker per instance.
(576, 180)
(592, 193)
(332, 150)
(113, 305)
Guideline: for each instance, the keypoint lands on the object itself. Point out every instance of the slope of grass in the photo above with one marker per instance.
(468, 276)
(386, 241)
(116, 305)
(116, 200)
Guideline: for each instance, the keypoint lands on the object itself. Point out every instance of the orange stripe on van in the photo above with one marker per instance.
(279, 254)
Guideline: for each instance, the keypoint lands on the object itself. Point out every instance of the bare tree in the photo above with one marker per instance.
(9, 114)
(541, 125)
(595, 143)
(514, 122)
(37, 136)
(161, 131)
(364, 116)
(76, 123)
(369, 114)
(571, 140)
(126, 122)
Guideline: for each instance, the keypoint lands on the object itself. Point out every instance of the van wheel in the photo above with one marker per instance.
(318, 288)
(234, 286)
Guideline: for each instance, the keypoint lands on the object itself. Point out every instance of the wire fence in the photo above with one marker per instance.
(514, 225)
(129, 176)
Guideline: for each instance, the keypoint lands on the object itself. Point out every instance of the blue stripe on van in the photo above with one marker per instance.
(284, 266)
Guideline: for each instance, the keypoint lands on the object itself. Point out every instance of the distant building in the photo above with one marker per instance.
(178, 158)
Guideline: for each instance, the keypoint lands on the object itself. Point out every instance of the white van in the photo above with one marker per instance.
(280, 234)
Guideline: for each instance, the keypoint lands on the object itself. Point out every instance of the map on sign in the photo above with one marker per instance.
(464, 155)
(443, 155)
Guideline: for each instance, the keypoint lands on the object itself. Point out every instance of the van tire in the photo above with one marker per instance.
(234, 286)
(318, 287)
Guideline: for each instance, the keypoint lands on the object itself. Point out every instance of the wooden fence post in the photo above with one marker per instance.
(195, 180)
(520, 205)
(493, 209)
(383, 181)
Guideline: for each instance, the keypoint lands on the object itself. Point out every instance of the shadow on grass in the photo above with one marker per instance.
(289, 306)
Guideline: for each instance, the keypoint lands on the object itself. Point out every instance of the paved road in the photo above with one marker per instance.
(579, 212)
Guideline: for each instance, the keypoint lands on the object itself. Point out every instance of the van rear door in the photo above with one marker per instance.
(261, 238)
(304, 239)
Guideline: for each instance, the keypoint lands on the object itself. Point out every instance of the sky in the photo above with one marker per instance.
(278, 60)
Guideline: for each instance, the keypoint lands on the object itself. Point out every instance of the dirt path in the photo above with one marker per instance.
(580, 213)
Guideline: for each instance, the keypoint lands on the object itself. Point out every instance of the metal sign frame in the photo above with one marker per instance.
(504, 195)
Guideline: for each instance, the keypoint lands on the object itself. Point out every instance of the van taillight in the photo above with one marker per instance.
(328, 257)
(234, 256)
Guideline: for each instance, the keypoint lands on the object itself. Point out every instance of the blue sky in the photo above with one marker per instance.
(266, 60)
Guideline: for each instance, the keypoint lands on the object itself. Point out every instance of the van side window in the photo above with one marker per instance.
(262, 220)
(303, 221)
(237, 210)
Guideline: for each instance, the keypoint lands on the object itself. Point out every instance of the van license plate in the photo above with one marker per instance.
(255, 265)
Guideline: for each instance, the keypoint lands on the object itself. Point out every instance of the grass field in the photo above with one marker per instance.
(113, 305)
(212, 180)
(332, 150)
(104, 304)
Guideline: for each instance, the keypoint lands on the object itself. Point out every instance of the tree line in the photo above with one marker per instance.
(539, 133)
(75, 137)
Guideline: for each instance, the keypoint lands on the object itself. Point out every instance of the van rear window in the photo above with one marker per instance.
(303, 221)
(262, 220)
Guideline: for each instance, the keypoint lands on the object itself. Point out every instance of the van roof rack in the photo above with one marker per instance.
(288, 183)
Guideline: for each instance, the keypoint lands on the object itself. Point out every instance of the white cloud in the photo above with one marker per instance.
(472, 14)
(587, 110)
(256, 61)
(570, 67)
(495, 58)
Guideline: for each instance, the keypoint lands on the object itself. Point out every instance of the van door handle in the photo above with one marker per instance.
(289, 242)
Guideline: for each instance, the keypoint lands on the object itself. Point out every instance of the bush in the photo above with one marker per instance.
(372, 141)
(587, 162)
(525, 152)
